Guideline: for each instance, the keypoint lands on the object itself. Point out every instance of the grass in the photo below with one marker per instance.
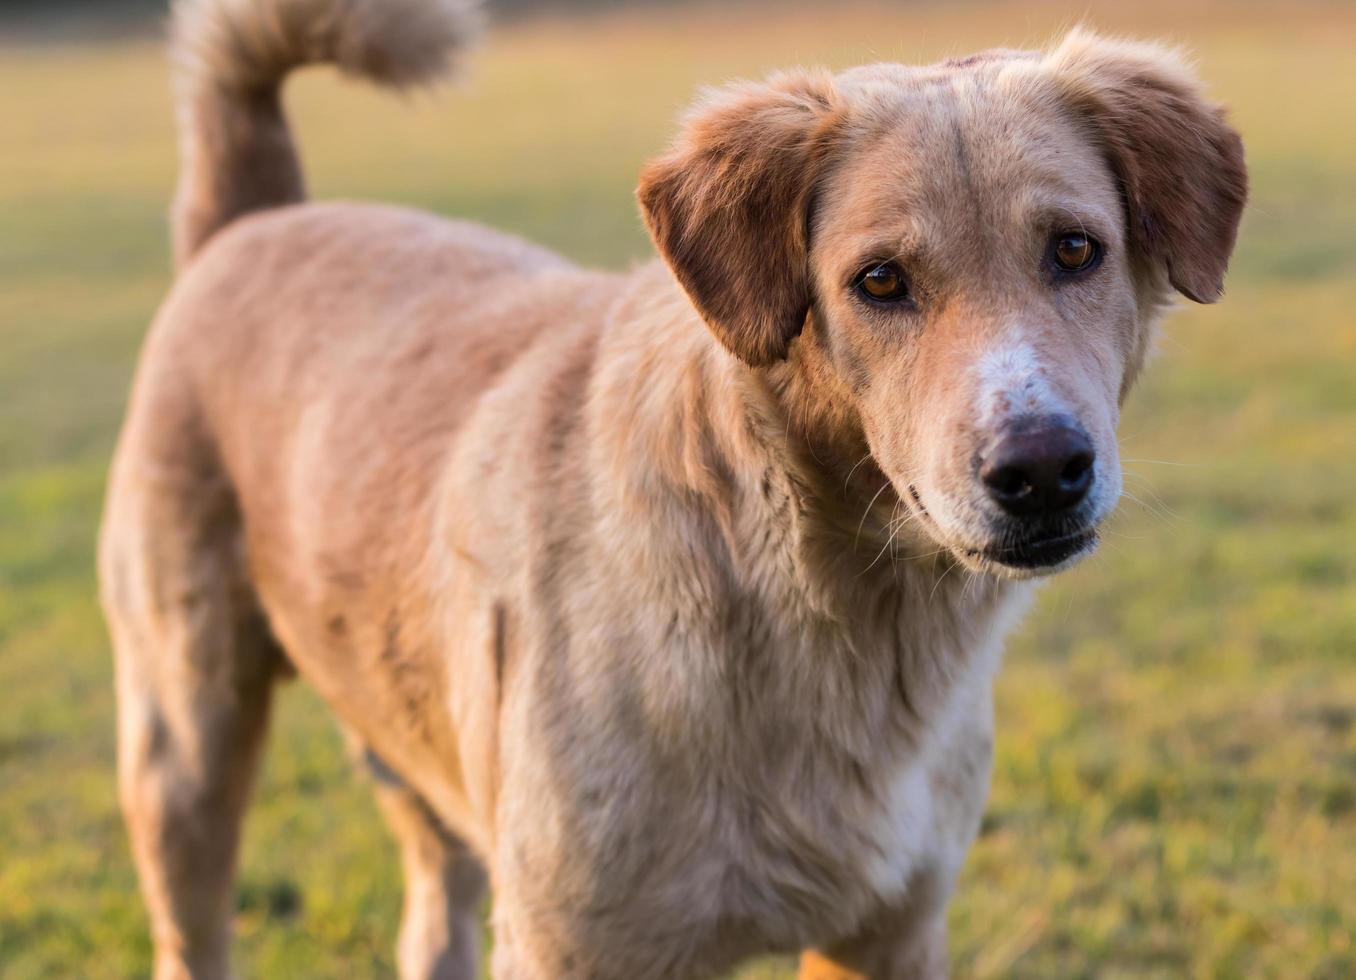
(1175, 787)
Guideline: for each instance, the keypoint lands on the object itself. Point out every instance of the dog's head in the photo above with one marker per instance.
(979, 250)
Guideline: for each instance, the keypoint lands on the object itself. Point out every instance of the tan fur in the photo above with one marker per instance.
(733, 196)
(1179, 163)
(230, 57)
(680, 629)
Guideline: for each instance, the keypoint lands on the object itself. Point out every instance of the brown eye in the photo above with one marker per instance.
(1075, 252)
(884, 283)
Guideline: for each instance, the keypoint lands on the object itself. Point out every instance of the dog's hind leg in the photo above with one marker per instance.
(195, 666)
(440, 926)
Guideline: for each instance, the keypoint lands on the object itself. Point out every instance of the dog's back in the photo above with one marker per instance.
(275, 483)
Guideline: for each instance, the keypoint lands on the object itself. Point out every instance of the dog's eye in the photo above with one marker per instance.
(1075, 252)
(883, 283)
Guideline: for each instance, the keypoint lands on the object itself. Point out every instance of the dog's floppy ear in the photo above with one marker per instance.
(728, 208)
(1180, 165)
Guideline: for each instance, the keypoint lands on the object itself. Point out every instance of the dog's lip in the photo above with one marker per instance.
(919, 505)
(1033, 554)
(1038, 552)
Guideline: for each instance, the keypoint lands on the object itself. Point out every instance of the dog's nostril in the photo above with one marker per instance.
(1009, 481)
(1077, 470)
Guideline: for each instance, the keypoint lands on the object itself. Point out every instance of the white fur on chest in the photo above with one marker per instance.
(930, 801)
(899, 837)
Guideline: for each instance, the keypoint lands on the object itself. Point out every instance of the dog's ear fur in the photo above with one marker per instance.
(728, 208)
(1179, 163)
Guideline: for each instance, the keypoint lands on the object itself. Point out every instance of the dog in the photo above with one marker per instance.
(665, 604)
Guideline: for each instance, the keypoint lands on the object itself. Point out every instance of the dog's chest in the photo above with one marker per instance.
(843, 802)
(856, 848)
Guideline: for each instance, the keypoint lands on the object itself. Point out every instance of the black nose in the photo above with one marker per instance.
(1039, 467)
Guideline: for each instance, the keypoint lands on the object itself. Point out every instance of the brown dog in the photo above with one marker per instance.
(669, 601)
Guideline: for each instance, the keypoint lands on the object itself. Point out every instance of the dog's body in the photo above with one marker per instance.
(610, 583)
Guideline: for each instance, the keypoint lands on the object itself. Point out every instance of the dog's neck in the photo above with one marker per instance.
(769, 569)
(773, 463)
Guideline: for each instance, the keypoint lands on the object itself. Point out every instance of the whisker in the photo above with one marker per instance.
(940, 579)
(1165, 518)
(1082, 228)
(1144, 487)
(878, 557)
(871, 503)
(848, 478)
(1158, 462)
(894, 552)
(888, 542)
(970, 580)
(1104, 532)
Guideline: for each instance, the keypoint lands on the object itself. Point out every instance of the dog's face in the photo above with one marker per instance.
(979, 249)
(972, 280)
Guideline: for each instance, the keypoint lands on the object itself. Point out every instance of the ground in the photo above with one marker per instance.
(1175, 785)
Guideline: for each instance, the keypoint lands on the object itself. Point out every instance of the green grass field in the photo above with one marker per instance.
(1175, 787)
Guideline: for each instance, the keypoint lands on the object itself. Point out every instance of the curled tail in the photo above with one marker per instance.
(230, 58)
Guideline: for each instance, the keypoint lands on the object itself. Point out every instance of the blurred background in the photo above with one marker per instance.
(1175, 784)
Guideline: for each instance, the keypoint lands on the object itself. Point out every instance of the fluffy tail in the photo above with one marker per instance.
(230, 58)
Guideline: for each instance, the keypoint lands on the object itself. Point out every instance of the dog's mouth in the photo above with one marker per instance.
(1038, 553)
(1033, 552)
